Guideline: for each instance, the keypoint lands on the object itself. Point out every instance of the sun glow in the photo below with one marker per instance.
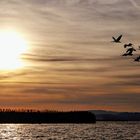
(12, 46)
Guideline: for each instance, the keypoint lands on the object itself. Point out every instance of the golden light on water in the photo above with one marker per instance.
(12, 46)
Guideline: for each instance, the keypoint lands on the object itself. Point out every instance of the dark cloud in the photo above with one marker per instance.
(8, 75)
(36, 57)
(115, 99)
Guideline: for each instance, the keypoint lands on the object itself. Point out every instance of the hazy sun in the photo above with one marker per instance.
(12, 45)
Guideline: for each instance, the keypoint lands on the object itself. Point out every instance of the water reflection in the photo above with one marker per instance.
(11, 131)
(98, 131)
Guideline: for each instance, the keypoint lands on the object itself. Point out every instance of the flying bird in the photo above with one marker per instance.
(117, 40)
(128, 45)
(129, 52)
(137, 59)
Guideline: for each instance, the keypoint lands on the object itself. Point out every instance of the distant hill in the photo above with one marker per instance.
(102, 115)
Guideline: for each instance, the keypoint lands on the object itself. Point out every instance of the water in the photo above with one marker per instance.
(98, 131)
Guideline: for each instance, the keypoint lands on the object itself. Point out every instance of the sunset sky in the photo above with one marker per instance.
(70, 62)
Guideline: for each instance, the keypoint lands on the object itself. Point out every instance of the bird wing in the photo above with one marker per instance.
(128, 50)
(113, 38)
(119, 38)
(128, 45)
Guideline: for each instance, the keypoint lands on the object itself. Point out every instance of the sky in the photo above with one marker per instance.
(71, 63)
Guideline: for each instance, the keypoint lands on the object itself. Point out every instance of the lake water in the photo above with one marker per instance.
(98, 131)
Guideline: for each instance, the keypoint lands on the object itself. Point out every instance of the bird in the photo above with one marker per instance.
(117, 40)
(128, 45)
(129, 52)
(137, 59)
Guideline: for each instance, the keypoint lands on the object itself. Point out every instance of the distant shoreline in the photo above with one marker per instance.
(102, 115)
(47, 117)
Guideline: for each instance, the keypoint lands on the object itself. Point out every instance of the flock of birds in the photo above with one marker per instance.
(129, 46)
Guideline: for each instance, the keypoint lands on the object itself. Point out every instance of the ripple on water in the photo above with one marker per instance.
(98, 131)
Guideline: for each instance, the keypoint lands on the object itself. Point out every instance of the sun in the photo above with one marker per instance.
(12, 46)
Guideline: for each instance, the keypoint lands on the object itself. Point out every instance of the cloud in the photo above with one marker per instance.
(8, 75)
(70, 53)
